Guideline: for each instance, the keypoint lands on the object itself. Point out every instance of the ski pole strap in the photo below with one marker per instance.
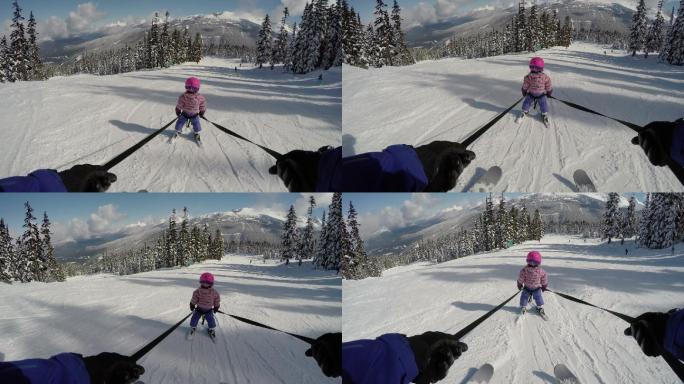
(271, 152)
(136, 356)
(252, 322)
(677, 169)
(674, 363)
(486, 127)
(123, 155)
(484, 317)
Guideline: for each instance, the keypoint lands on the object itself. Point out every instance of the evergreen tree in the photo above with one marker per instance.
(629, 224)
(537, 226)
(611, 217)
(638, 30)
(502, 224)
(322, 244)
(520, 28)
(384, 36)
(35, 63)
(171, 257)
(217, 246)
(6, 254)
(19, 60)
(197, 48)
(30, 249)
(164, 44)
(338, 241)
(290, 236)
(656, 34)
(307, 248)
(404, 56)
(280, 53)
(675, 39)
(264, 43)
(184, 240)
(532, 30)
(4, 59)
(567, 32)
(153, 43)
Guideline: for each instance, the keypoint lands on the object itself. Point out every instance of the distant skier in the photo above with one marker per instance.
(536, 86)
(533, 281)
(191, 106)
(205, 301)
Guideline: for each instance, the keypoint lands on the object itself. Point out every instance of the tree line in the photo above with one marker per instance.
(29, 257)
(315, 44)
(380, 43)
(657, 36)
(20, 55)
(301, 243)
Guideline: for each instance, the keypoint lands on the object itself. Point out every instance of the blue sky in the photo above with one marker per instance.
(84, 215)
(420, 12)
(64, 18)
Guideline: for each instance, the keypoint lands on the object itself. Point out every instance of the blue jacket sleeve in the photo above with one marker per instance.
(677, 152)
(674, 334)
(396, 169)
(387, 359)
(330, 171)
(65, 368)
(43, 180)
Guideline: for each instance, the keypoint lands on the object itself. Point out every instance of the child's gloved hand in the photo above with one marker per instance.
(216, 309)
(87, 178)
(178, 112)
(192, 307)
(443, 162)
(112, 368)
(519, 286)
(435, 352)
(544, 288)
(327, 351)
(649, 332)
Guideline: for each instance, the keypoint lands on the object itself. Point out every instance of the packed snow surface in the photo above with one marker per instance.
(450, 99)
(447, 297)
(90, 119)
(121, 314)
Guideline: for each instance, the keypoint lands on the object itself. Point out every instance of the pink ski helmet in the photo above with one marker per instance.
(534, 258)
(207, 279)
(192, 84)
(537, 64)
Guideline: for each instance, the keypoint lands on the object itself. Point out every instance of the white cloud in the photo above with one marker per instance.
(82, 20)
(419, 14)
(417, 208)
(100, 222)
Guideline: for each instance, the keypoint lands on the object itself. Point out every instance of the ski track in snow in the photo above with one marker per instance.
(451, 98)
(90, 119)
(524, 349)
(100, 313)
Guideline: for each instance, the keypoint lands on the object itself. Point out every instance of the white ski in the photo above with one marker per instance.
(483, 374)
(564, 375)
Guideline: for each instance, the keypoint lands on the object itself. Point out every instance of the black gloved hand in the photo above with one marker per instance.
(435, 352)
(178, 112)
(519, 286)
(87, 178)
(649, 332)
(656, 140)
(327, 351)
(112, 368)
(216, 309)
(192, 307)
(524, 92)
(202, 113)
(443, 162)
(299, 169)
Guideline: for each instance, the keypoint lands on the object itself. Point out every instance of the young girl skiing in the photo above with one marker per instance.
(205, 301)
(532, 280)
(536, 86)
(191, 106)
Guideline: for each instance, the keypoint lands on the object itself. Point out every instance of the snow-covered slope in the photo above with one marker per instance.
(90, 119)
(449, 99)
(446, 297)
(121, 314)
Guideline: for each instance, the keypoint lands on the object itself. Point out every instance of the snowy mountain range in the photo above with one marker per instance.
(554, 207)
(244, 224)
(584, 14)
(227, 25)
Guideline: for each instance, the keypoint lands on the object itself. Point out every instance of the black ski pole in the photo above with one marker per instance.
(136, 356)
(475, 135)
(482, 318)
(271, 152)
(123, 155)
(252, 322)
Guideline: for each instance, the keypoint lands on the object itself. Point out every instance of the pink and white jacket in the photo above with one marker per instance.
(191, 104)
(532, 277)
(537, 83)
(206, 298)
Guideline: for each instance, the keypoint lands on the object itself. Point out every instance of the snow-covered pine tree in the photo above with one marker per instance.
(153, 43)
(520, 28)
(164, 50)
(629, 223)
(567, 32)
(384, 35)
(371, 50)
(184, 240)
(6, 254)
(52, 270)
(290, 236)
(282, 42)
(205, 241)
(501, 224)
(532, 30)
(675, 39)
(36, 71)
(197, 48)
(334, 37)
(336, 233)
(321, 244)
(171, 259)
(29, 248)
(611, 217)
(489, 224)
(217, 245)
(404, 56)
(308, 240)
(637, 33)
(537, 226)
(19, 49)
(356, 264)
(644, 231)
(264, 43)
(655, 37)
(4, 59)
